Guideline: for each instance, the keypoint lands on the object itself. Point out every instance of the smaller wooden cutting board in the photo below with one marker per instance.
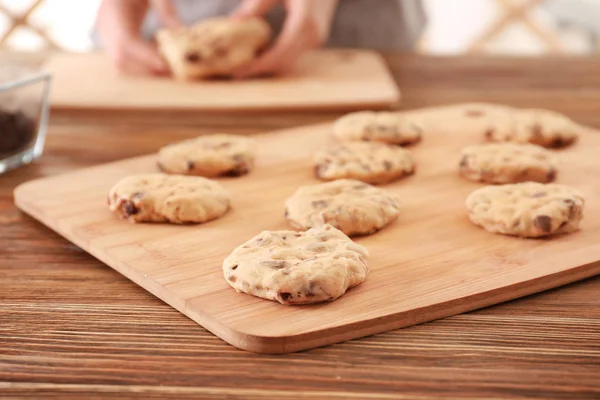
(323, 79)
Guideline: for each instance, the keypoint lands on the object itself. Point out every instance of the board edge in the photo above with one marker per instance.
(393, 100)
(291, 344)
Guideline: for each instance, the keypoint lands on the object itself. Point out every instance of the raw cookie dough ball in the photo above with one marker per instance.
(354, 207)
(174, 199)
(209, 156)
(290, 267)
(528, 210)
(216, 47)
(499, 163)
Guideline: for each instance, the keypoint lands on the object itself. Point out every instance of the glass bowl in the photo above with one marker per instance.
(24, 108)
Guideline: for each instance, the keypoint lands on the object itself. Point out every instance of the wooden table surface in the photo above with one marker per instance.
(71, 327)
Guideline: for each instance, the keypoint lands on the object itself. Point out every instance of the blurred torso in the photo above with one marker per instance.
(387, 25)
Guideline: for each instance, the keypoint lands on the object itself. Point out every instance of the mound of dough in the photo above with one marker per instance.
(213, 48)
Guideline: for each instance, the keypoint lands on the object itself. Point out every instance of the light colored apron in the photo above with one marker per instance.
(385, 25)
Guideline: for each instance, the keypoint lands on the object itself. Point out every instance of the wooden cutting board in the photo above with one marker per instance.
(323, 79)
(431, 263)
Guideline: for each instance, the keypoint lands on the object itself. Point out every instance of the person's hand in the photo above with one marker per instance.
(307, 26)
(119, 25)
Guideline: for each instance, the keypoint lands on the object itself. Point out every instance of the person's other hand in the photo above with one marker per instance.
(119, 25)
(307, 26)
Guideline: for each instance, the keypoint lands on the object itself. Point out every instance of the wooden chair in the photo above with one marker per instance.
(22, 20)
(518, 11)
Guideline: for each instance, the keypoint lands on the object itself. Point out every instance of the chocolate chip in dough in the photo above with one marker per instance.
(569, 202)
(571, 205)
(275, 264)
(551, 174)
(368, 132)
(285, 296)
(563, 225)
(557, 142)
(544, 222)
(317, 248)
(310, 290)
(241, 168)
(129, 208)
(319, 204)
(193, 57)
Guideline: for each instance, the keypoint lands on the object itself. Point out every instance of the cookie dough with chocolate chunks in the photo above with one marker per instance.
(370, 162)
(499, 163)
(209, 156)
(528, 210)
(379, 126)
(174, 199)
(216, 47)
(538, 126)
(476, 119)
(352, 206)
(315, 266)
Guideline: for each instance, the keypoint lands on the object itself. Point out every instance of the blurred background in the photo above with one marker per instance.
(494, 27)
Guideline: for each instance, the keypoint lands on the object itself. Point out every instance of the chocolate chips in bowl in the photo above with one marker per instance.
(17, 130)
(23, 115)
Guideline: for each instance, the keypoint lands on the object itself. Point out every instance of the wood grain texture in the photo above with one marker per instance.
(430, 263)
(339, 79)
(72, 328)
